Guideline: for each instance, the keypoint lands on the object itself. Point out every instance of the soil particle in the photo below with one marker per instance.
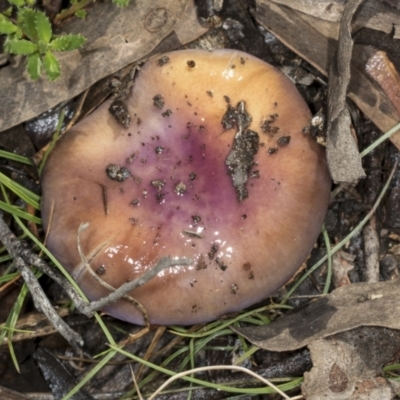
(101, 270)
(221, 264)
(196, 219)
(201, 264)
(236, 117)
(158, 101)
(245, 146)
(272, 150)
(163, 60)
(166, 113)
(240, 161)
(180, 189)
(119, 111)
(283, 141)
(117, 173)
(213, 251)
(267, 125)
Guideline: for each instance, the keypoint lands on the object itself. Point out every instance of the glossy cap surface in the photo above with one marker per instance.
(176, 195)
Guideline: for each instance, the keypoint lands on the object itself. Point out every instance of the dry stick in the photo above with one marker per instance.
(78, 110)
(9, 283)
(20, 255)
(371, 251)
(135, 384)
(24, 257)
(150, 349)
(16, 248)
(163, 263)
(43, 304)
(103, 283)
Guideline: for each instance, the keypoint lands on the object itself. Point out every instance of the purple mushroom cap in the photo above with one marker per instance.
(214, 166)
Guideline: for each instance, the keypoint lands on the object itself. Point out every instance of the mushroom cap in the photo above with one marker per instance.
(176, 195)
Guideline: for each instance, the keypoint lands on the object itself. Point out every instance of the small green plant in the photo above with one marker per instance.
(32, 36)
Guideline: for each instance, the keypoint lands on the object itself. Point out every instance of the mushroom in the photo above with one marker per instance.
(214, 166)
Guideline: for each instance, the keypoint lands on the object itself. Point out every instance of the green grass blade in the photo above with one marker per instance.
(91, 374)
(344, 241)
(23, 193)
(262, 390)
(17, 211)
(16, 157)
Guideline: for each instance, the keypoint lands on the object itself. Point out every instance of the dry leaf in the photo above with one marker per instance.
(59, 379)
(341, 149)
(315, 40)
(349, 366)
(342, 264)
(115, 36)
(348, 307)
(374, 14)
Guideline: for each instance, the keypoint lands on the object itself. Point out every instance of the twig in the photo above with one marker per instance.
(103, 283)
(371, 249)
(16, 250)
(78, 110)
(43, 304)
(163, 263)
(23, 257)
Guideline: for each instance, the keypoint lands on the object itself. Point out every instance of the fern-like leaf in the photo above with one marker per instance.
(67, 42)
(51, 66)
(21, 47)
(34, 66)
(7, 27)
(26, 21)
(43, 27)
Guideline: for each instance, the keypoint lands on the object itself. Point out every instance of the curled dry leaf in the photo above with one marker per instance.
(341, 149)
(313, 31)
